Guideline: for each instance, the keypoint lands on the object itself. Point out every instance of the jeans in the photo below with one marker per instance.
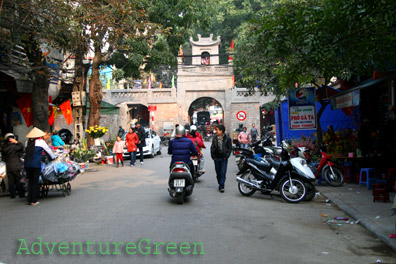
(141, 154)
(34, 188)
(244, 146)
(221, 170)
(133, 157)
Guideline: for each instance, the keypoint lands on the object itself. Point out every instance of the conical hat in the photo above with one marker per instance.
(35, 133)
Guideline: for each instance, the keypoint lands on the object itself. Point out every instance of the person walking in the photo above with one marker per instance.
(142, 140)
(118, 149)
(11, 152)
(34, 153)
(243, 138)
(220, 151)
(253, 133)
(131, 140)
(120, 132)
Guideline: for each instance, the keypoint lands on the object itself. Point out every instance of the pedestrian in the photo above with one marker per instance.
(243, 138)
(220, 151)
(56, 140)
(11, 152)
(393, 209)
(131, 141)
(120, 132)
(142, 140)
(253, 133)
(34, 153)
(118, 149)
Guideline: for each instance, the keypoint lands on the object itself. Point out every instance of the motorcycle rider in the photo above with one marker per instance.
(182, 148)
(11, 152)
(198, 143)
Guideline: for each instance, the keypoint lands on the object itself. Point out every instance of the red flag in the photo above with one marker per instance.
(67, 112)
(25, 104)
(231, 57)
(233, 80)
(51, 119)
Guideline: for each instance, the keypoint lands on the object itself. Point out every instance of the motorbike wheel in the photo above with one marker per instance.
(243, 188)
(292, 194)
(180, 198)
(311, 191)
(335, 179)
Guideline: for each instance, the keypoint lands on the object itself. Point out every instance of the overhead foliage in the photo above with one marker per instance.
(292, 41)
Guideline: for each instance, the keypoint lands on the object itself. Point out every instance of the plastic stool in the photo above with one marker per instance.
(380, 193)
(348, 172)
(369, 180)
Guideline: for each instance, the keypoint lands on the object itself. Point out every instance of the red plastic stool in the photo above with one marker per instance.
(380, 193)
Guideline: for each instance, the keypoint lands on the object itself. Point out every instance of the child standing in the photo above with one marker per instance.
(118, 149)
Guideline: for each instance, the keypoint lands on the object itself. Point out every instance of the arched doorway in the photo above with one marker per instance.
(139, 113)
(206, 111)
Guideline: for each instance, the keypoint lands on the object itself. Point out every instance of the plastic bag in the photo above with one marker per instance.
(50, 172)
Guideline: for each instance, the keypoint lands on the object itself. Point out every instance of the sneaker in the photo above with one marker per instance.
(132, 165)
(141, 162)
(221, 190)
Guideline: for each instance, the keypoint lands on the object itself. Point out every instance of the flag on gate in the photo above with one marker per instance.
(160, 86)
(67, 111)
(51, 118)
(233, 80)
(26, 106)
(231, 57)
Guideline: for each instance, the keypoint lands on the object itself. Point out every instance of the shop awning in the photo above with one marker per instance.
(351, 97)
(23, 84)
(105, 108)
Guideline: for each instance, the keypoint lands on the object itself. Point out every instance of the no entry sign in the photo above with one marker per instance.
(241, 115)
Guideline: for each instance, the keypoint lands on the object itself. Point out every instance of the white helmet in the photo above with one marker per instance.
(8, 135)
(193, 127)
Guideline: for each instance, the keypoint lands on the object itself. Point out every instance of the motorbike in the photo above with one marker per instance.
(181, 182)
(99, 154)
(327, 169)
(196, 163)
(288, 176)
(3, 174)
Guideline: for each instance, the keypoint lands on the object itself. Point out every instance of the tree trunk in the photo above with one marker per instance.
(95, 94)
(40, 79)
(319, 133)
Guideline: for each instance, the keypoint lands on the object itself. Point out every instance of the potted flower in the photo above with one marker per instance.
(83, 155)
(96, 132)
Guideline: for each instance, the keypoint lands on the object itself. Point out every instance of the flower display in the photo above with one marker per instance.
(96, 131)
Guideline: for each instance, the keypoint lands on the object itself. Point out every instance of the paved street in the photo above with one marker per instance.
(131, 204)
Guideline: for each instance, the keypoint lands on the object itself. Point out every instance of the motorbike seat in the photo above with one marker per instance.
(264, 166)
(275, 163)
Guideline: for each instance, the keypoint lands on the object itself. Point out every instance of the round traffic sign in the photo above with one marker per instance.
(241, 115)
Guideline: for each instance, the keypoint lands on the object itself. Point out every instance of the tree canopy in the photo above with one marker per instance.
(294, 41)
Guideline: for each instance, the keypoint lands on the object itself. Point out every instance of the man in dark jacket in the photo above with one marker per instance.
(121, 132)
(142, 140)
(220, 151)
(11, 152)
(182, 148)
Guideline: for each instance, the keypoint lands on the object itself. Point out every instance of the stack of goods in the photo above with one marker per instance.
(62, 169)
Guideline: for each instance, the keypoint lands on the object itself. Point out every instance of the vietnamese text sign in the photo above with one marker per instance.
(302, 109)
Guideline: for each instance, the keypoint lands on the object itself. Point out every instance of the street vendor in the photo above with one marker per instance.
(34, 153)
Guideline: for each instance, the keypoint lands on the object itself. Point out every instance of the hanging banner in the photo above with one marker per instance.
(302, 108)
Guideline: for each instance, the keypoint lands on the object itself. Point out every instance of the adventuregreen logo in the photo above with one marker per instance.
(142, 247)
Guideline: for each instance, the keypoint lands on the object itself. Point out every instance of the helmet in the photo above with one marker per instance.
(180, 130)
(193, 127)
(8, 135)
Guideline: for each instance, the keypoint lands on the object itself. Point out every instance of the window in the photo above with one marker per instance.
(205, 58)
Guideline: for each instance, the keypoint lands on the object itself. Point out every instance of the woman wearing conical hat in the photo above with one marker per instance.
(34, 153)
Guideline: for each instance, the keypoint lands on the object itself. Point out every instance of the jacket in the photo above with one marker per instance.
(10, 154)
(131, 140)
(198, 143)
(118, 147)
(182, 149)
(142, 137)
(227, 148)
(57, 141)
(243, 137)
(33, 158)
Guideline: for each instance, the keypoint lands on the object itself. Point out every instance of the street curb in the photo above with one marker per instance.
(364, 221)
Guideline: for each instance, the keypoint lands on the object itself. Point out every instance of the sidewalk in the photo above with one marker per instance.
(357, 201)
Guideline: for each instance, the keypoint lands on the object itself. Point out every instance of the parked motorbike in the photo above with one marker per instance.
(181, 182)
(327, 169)
(3, 173)
(289, 177)
(99, 154)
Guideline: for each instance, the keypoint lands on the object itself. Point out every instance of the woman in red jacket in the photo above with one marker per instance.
(131, 140)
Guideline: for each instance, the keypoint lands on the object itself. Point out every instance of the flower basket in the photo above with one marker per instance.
(97, 131)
